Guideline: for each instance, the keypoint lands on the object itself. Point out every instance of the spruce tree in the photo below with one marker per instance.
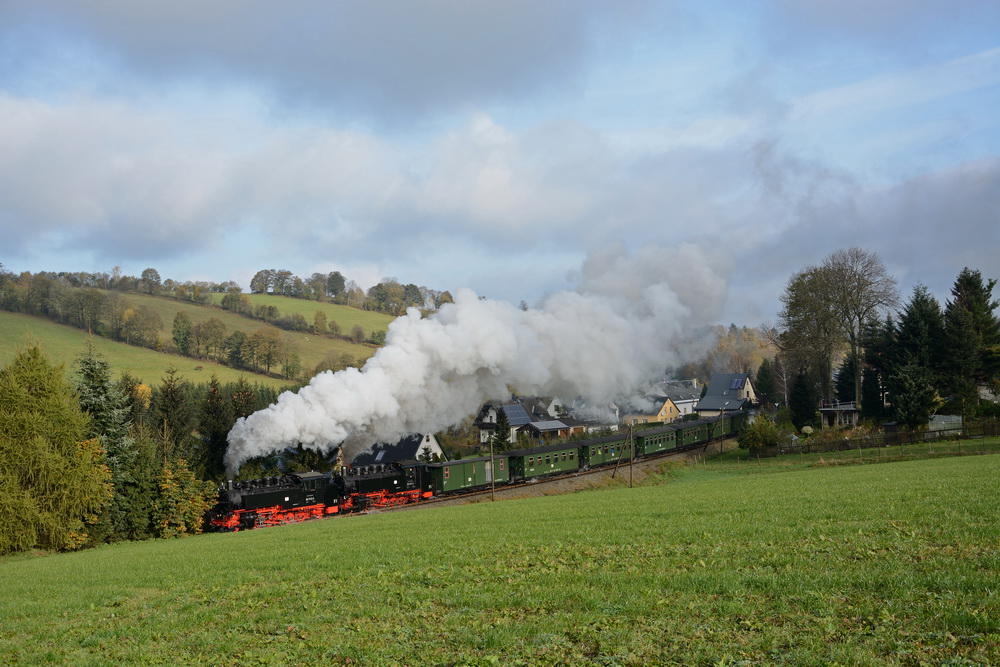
(920, 334)
(216, 421)
(963, 360)
(501, 432)
(764, 382)
(973, 295)
(844, 385)
(872, 398)
(54, 481)
(109, 412)
(802, 400)
(176, 418)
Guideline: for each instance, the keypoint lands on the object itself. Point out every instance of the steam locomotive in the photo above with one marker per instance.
(300, 496)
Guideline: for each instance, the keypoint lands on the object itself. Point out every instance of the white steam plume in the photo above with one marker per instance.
(629, 318)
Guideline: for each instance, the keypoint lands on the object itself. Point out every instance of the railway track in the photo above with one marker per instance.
(539, 486)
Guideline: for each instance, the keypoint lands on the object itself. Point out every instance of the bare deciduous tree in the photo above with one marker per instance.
(826, 307)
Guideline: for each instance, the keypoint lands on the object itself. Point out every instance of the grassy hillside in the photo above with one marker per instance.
(63, 344)
(312, 349)
(894, 563)
(345, 316)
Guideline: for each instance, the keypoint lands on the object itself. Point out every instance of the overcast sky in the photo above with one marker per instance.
(494, 145)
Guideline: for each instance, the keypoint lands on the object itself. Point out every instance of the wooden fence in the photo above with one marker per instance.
(824, 443)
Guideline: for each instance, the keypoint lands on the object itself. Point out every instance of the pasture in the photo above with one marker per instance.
(63, 344)
(345, 316)
(895, 563)
(312, 349)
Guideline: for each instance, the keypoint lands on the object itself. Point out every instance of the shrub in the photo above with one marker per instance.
(761, 432)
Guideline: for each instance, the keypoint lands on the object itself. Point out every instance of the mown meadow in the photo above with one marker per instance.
(64, 344)
(888, 563)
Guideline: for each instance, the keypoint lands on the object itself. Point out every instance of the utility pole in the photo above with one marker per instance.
(493, 474)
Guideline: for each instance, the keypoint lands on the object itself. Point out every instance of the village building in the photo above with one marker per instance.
(726, 392)
(416, 447)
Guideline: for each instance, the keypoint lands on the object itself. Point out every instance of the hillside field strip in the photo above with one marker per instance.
(870, 564)
(64, 344)
(345, 316)
(312, 349)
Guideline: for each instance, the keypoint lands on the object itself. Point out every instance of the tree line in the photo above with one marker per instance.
(844, 337)
(85, 302)
(388, 296)
(87, 459)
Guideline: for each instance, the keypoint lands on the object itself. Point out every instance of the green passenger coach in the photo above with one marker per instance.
(654, 440)
(468, 473)
(605, 450)
(528, 463)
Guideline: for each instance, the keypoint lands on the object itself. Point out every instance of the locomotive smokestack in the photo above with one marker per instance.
(630, 317)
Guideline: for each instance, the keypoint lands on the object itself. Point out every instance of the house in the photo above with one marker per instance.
(545, 430)
(536, 417)
(542, 407)
(663, 410)
(838, 414)
(486, 421)
(726, 392)
(416, 447)
(685, 394)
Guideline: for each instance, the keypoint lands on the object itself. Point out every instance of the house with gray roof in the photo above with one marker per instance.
(416, 447)
(684, 394)
(726, 392)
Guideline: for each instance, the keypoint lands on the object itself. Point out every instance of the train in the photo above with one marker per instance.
(301, 496)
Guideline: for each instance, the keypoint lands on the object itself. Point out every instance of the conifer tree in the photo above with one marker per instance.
(764, 383)
(175, 416)
(802, 400)
(844, 385)
(54, 482)
(501, 432)
(971, 294)
(107, 406)
(216, 421)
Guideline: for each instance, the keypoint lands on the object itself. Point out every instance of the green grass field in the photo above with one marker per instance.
(312, 349)
(345, 316)
(896, 563)
(63, 344)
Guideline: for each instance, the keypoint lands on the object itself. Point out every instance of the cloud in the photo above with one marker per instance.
(391, 59)
(909, 26)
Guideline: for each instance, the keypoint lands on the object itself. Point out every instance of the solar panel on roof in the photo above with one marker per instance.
(737, 383)
(516, 415)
